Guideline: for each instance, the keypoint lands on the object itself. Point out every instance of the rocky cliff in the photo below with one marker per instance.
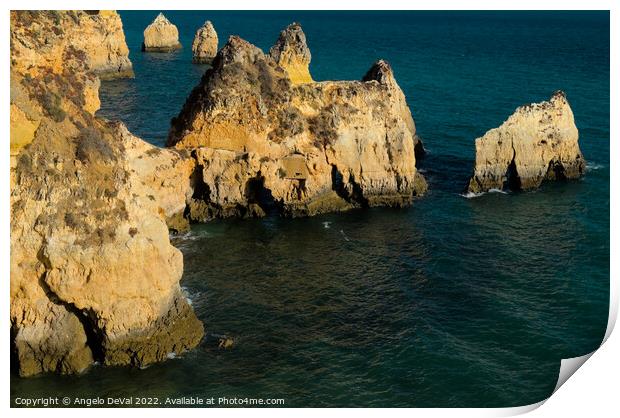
(97, 35)
(538, 142)
(161, 36)
(204, 47)
(103, 41)
(264, 142)
(93, 274)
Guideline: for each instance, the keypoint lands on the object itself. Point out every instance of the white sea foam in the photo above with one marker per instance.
(171, 356)
(192, 235)
(594, 166)
(471, 195)
(187, 236)
(189, 296)
(344, 235)
(326, 225)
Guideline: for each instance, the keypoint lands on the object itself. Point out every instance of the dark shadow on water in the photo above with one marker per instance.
(445, 172)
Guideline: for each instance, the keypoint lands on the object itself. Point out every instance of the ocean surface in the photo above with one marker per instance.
(454, 302)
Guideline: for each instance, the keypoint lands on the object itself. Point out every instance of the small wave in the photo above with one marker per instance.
(199, 232)
(189, 296)
(187, 236)
(344, 235)
(594, 166)
(471, 195)
(326, 225)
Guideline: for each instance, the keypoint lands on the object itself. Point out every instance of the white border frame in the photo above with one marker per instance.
(592, 391)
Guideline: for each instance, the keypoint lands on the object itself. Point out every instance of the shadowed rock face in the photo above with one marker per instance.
(538, 142)
(204, 47)
(265, 144)
(161, 36)
(93, 274)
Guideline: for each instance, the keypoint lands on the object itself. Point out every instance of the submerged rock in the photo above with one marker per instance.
(204, 47)
(538, 142)
(265, 144)
(292, 53)
(219, 341)
(161, 36)
(93, 274)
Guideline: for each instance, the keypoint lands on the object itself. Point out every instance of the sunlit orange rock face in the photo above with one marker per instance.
(537, 142)
(268, 138)
(93, 274)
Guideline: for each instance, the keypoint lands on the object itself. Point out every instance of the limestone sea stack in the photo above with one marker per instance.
(93, 274)
(538, 142)
(204, 47)
(161, 36)
(292, 54)
(266, 144)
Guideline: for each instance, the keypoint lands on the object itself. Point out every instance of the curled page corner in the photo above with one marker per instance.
(518, 410)
(568, 367)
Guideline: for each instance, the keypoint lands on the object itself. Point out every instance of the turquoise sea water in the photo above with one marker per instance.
(452, 302)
